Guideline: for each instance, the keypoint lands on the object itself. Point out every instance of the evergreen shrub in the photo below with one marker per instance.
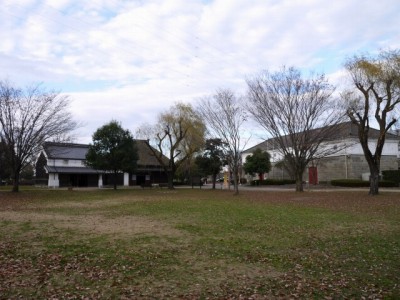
(360, 183)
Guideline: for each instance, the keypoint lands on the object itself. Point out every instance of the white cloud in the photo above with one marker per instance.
(129, 60)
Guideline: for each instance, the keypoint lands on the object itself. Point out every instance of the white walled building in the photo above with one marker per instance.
(63, 165)
(347, 163)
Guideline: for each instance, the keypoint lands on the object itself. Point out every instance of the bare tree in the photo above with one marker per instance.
(177, 136)
(225, 118)
(27, 119)
(376, 95)
(299, 114)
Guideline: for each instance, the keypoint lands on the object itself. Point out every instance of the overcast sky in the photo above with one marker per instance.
(129, 60)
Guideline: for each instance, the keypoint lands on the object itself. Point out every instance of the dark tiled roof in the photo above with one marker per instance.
(65, 150)
(146, 156)
(78, 152)
(342, 130)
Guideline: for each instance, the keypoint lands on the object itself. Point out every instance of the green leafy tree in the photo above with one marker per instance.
(259, 162)
(113, 149)
(211, 161)
(374, 97)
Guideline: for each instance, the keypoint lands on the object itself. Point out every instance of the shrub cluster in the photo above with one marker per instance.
(392, 175)
(27, 182)
(21, 182)
(273, 182)
(360, 183)
(179, 183)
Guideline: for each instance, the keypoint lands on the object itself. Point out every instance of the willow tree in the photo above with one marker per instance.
(299, 113)
(28, 118)
(373, 99)
(178, 134)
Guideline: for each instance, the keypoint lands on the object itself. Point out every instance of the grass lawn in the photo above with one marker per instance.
(189, 244)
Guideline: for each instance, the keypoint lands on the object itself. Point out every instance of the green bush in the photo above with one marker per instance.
(392, 175)
(388, 183)
(350, 183)
(179, 183)
(289, 181)
(272, 182)
(360, 183)
(27, 182)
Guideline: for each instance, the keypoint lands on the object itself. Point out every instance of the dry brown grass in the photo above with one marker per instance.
(190, 244)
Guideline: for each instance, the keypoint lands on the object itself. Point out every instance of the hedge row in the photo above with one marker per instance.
(361, 183)
(273, 182)
(392, 175)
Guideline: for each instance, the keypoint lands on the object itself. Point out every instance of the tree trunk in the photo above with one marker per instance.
(374, 168)
(15, 188)
(170, 175)
(214, 179)
(374, 182)
(299, 182)
(115, 180)
(236, 182)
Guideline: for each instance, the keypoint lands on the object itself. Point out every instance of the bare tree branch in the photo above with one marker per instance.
(178, 134)
(27, 119)
(300, 115)
(377, 94)
(225, 117)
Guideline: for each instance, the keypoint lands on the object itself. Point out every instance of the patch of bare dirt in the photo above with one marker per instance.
(127, 225)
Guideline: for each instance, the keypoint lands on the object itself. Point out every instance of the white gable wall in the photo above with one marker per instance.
(349, 162)
(391, 147)
(65, 163)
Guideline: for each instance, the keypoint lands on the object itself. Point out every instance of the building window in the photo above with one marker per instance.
(65, 161)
